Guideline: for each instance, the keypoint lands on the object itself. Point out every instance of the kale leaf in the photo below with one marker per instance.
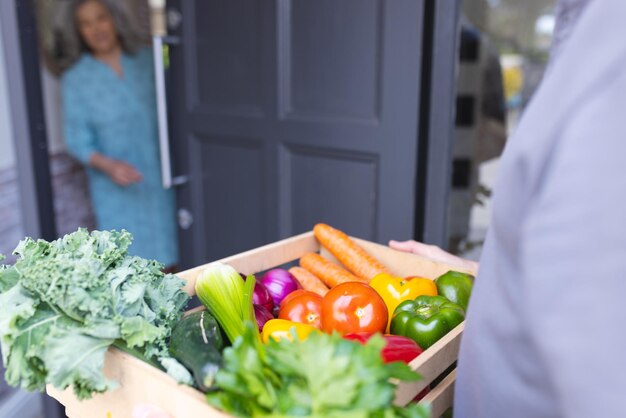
(64, 303)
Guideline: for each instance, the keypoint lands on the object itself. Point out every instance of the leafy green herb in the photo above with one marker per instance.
(324, 376)
(64, 303)
(220, 288)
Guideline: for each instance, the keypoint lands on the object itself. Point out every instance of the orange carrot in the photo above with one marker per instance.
(331, 274)
(309, 281)
(348, 252)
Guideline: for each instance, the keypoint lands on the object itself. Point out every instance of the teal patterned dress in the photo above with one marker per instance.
(116, 116)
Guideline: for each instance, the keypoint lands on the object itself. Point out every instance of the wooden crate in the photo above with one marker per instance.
(142, 383)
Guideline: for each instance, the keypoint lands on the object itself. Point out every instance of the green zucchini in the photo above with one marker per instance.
(197, 342)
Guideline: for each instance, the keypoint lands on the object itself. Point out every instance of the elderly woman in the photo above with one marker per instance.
(111, 127)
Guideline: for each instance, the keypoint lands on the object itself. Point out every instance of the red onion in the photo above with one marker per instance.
(262, 315)
(279, 283)
(261, 296)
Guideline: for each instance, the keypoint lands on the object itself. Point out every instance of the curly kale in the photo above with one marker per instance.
(65, 302)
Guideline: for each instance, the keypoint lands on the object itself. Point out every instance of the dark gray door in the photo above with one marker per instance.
(288, 113)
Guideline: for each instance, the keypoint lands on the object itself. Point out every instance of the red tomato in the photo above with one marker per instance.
(292, 295)
(353, 307)
(305, 308)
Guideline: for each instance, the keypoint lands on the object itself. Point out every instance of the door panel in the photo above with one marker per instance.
(232, 198)
(318, 38)
(295, 112)
(318, 186)
(228, 57)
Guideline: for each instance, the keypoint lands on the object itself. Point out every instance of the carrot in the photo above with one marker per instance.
(331, 274)
(348, 252)
(309, 281)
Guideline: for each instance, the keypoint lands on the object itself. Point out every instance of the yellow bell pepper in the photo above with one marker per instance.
(281, 328)
(395, 290)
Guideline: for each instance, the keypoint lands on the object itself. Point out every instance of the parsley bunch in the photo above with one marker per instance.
(324, 376)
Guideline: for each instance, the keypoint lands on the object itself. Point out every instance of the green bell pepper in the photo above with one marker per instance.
(455, 286)
(426, 319)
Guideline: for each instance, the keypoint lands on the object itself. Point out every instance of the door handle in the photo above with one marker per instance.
(167, 178)
(185, 218)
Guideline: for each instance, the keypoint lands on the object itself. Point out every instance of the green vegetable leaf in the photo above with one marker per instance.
(8, 276)
(21, 347)
(17, 306)
(102, 328)
(76, 359)
(134, 292)
(324, 376)
(176, 370)
(412, 410)
(136, 331)
(65, 302)
(403, 372)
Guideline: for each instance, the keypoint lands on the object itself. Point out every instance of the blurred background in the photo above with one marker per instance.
(383, 118)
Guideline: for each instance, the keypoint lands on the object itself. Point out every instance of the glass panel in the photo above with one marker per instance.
(504, 51)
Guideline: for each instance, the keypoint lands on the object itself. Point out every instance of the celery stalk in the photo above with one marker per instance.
(248, 291)
(220, 288)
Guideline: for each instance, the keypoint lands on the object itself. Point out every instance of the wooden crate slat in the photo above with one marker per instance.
(138, 383)
(441, 397)
(259, 259)
(430, 364)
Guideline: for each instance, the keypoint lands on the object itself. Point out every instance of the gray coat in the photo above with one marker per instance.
(546, 327)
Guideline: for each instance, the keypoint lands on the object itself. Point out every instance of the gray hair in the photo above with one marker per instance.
(73, 44)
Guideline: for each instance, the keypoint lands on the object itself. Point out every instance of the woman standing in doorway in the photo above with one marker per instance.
(111, 127)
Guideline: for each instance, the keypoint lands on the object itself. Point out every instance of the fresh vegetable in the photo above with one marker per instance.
(355, 258)
(353, 307)
(455, 286)
(220, 289)
(65, 302)
(324, 376)
(306, 308)
(397, 347)
(309, 281)
(262, 315)
(426, 319)
(395, 290)
(279, 283)
(331, 274)
(262, 297)
(292, 295)
(197, 343)
(277, 329)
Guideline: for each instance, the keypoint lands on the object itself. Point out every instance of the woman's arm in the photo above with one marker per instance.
(81, 139)
(120, 172)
